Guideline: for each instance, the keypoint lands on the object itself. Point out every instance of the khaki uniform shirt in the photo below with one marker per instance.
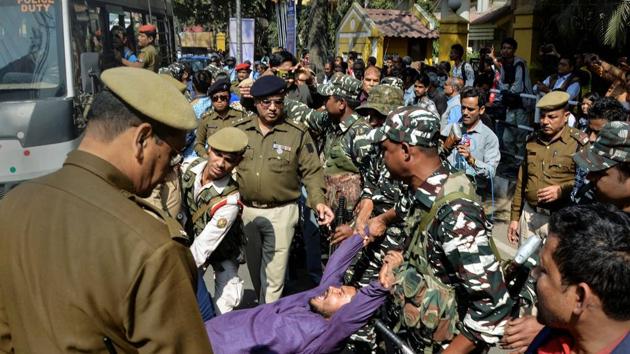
(547, 163)
(210, 123)
(274, 165)
(149, 58)
(81, 260)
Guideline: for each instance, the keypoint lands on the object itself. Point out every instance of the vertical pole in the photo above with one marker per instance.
(239, 32)
(149, 5)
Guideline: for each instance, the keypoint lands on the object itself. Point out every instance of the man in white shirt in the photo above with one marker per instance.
(213, 204)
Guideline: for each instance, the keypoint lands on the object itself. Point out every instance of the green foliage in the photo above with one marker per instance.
(215, 16)
(617, 26)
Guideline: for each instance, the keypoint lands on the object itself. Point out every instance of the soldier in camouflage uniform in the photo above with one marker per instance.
(608, 164)
(450, 289)
(394, 82)
(380, 193)
(213, 204)
(343, 134)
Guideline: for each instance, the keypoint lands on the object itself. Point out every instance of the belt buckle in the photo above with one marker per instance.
(259, 205)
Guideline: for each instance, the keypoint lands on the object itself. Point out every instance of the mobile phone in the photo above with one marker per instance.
(284, 74)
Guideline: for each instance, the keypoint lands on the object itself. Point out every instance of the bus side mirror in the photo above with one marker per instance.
(90, 72)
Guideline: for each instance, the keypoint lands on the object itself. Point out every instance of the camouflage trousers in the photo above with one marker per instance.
(364, 270)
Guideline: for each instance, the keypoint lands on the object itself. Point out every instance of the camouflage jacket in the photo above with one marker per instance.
(459, 255)
(384, 191)
(349, 137)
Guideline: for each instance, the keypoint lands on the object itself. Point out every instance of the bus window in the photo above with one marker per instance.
(31, 51)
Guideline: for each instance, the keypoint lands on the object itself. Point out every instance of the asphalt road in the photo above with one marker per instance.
(502, 202)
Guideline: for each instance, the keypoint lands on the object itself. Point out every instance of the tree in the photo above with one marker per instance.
(617, 26)
(215, 16)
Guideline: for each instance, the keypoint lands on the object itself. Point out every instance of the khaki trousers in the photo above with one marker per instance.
(269, 233)
(532, 223)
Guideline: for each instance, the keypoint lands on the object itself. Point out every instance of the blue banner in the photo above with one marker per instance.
(291, 27)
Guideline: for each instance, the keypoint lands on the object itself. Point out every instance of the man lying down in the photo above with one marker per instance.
(313, 321)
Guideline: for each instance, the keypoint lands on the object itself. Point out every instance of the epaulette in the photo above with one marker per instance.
(205, 114)
(579, 136)
(243, 120)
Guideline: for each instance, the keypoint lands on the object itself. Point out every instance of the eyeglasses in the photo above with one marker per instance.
(266, 102)
(176, 155)
(222, 98)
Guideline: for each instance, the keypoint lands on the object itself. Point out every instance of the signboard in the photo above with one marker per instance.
(247, 38)
(291, 27)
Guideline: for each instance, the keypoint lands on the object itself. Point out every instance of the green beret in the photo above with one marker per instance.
(553, 100)
(228, 139)
(151, 95)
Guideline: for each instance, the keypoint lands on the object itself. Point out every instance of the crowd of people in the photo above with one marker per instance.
(383, 172)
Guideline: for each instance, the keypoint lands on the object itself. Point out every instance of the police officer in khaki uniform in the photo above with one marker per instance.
(221, 115)
(547, 175)
(149, 57)
(213, 204)
(281, 155)
(85, 264)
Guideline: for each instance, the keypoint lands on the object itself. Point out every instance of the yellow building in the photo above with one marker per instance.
(484, 23)
(379, 33)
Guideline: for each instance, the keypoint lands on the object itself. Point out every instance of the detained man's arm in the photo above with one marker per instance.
(340, 261)
(214, 232)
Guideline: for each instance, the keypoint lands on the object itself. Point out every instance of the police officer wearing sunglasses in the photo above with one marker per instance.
(220, 116)
(280, 157)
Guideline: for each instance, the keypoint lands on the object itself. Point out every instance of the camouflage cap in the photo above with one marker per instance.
(383, 98)
(611, 147)
(393, 81)
(214, 70)
(412, 125)
(341, 85)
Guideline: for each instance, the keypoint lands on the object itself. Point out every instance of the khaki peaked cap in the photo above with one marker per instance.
(228, 139)
(151, 95)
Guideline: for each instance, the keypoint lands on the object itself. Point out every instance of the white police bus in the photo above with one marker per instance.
(50, 50)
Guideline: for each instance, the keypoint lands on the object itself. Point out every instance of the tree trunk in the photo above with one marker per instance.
(317, 39)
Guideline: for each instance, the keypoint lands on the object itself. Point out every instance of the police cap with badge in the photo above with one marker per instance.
(151, 95)
(267, 86)
(221, 85)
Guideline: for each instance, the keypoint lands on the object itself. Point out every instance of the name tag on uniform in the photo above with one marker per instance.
(280, 148)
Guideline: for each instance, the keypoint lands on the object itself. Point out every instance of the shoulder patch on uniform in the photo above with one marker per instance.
(222, 223)
(242, 120)
(581, 137)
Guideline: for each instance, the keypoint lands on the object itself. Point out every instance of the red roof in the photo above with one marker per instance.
(397, 23)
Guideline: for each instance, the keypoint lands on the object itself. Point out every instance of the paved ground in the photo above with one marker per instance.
(502, 203)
